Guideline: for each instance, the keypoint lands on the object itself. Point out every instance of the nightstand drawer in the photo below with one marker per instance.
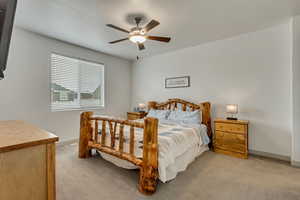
(231, 142)
(135, 115)
(233, 128)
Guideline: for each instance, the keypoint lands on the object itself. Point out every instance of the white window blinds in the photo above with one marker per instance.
(76, 84)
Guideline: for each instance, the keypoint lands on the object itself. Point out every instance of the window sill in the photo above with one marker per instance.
(78, 109)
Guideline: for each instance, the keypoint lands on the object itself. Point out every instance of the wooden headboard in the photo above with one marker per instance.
(173, 104)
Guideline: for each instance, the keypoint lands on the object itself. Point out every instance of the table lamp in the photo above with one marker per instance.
(142, 107)
(232, 109)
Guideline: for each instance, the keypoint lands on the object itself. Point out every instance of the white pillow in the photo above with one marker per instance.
(159, 114)
(187, 117)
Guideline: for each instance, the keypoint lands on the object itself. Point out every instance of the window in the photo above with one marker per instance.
(76, 84)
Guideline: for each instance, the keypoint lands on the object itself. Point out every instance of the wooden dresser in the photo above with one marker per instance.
(136, 115)
(231, 137)
(27, 162)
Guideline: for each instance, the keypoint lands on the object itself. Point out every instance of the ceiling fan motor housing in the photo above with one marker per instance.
(138, 20)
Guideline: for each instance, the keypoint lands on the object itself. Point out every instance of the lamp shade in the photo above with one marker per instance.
(232, 108)
(142, 105)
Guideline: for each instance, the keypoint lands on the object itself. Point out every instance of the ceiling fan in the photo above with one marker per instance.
(139, 35)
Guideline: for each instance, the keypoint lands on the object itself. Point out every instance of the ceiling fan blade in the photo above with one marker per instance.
(118, 28)
(157, 38)
(151, 25)
(121, 40)
(141, 46)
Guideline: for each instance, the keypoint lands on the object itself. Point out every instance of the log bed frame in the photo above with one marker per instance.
(148, 164)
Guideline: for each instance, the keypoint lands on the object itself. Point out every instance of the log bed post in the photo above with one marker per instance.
(152, 105)
(85, 134)
(149, 167)
(206, 119)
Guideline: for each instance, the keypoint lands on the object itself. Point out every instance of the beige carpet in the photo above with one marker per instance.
(211, 177)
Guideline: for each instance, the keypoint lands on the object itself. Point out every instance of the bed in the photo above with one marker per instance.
(159, 148)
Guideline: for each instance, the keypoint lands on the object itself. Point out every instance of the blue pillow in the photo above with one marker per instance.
(180, 107)
(194, 117)
(159, 114)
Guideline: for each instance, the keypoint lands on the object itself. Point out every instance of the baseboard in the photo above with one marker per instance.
(270, 155)
(67, 142)
(295, 163)
(251, 152)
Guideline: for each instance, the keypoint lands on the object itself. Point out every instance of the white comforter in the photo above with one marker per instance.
(176, 141)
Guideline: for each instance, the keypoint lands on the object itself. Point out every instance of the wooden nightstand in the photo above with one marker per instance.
(136, 115)
(231, 137)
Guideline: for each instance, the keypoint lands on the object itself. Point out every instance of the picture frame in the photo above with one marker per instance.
(178, 82)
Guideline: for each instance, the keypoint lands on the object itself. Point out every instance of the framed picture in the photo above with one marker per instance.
(178, 82)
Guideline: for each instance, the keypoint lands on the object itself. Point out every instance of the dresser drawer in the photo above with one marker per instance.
(234, 128)
(230, 142)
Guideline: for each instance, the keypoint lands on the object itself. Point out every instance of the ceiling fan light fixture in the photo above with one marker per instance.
(137, 39)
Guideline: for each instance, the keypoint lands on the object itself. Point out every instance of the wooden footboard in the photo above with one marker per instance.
(90, 139)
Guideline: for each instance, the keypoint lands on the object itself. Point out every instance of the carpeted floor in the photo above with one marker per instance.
(211, 177)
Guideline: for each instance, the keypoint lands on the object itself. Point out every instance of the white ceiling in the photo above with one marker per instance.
(188, 22)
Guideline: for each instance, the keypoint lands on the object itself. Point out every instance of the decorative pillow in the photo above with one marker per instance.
(194, 117)
(159, 114)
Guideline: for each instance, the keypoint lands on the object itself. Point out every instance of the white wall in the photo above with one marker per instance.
(296, 93)
(25, 92)
(252, 70)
